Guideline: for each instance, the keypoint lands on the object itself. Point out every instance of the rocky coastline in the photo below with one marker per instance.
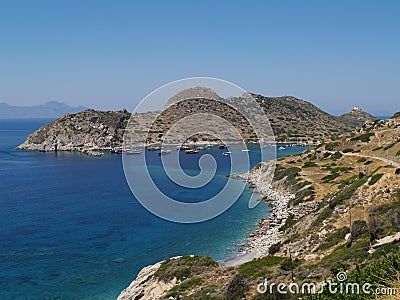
(260, 241)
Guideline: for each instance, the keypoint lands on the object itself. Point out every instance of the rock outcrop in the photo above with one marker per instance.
(86, 130)
(145, 286)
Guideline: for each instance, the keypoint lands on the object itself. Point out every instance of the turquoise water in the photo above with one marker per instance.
(71, 229)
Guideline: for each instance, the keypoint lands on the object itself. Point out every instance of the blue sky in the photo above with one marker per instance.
(110, 54)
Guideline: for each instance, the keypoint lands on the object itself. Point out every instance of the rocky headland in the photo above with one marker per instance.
(87, 132)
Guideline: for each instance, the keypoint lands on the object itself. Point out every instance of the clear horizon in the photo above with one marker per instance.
(107, 55)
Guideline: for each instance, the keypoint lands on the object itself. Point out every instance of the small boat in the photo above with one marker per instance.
(132, 152)
(117, 150)
(227, 153)
(245, 150)
(182, 148)
(191, 151)
(153, 148)
(163, 152)
(282, 148)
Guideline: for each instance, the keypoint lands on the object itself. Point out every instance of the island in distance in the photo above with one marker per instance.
(50, 109)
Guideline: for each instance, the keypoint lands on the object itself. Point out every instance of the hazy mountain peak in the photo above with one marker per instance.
(50, 109)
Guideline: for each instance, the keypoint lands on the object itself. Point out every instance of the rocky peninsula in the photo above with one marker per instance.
(86, 132)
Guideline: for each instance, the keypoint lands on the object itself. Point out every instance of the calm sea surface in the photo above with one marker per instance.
(70, 227)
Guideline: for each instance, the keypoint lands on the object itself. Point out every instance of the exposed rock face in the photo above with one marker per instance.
(145, 286)
(357, 117)
(83, 131)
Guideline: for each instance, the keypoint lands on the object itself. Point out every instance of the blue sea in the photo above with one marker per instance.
(70, 227)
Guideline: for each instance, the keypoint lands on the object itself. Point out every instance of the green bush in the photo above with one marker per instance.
(274, 248)
(330, 177)
(236, 288)
(310, 164)
(362, 159)
(303, 194)
(336, 155)
(184, 286)
(347, 150)
(184, 267)
(259, 268)
(397, 171)
(331, 146)
(290, 173)
(390, 146)
(324, 215)
(290, 264)
(364, 138)
(348, 192)
(358, 228)
(375, 178)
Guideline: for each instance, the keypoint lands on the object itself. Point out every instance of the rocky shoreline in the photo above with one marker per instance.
(260, 241)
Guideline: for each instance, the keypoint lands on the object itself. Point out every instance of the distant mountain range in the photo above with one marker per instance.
(51, 109)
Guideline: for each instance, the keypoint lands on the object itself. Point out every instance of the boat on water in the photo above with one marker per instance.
(245, 150)
(132, 152)
(153, 148)
(117, 150)
(282, 148)
(163, 152)
(227, 153)
(183, 147)
(191, 151)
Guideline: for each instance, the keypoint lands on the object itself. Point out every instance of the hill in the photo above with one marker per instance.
(357, 117)
(87, 130)
(292, 120)
(51, 109)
